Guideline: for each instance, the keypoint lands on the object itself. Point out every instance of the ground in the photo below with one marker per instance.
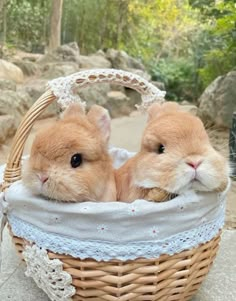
(126, 132)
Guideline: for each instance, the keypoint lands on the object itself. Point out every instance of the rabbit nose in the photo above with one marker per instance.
(43, 178)
(194, 165)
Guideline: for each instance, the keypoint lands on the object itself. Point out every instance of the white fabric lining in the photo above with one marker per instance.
(105, 250)
(105, 231)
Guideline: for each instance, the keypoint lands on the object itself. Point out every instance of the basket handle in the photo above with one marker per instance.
(62, 89)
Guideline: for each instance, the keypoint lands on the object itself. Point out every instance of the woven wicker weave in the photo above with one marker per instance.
(165, 278)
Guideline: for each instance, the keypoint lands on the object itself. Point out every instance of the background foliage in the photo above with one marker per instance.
(186, 44)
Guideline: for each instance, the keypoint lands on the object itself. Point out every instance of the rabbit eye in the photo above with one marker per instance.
(76, 160)
(161, 149)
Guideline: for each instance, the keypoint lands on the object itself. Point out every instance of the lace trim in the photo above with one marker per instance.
(106, 251)
(63, 87)
(48, 274)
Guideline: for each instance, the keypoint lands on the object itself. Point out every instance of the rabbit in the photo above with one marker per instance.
(69, 160)
(175, 156)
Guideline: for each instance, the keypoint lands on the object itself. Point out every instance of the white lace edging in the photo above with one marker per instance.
(63, 87)
(48, 274)
(100, 250)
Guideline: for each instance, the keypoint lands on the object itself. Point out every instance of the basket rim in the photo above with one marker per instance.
(124, 229)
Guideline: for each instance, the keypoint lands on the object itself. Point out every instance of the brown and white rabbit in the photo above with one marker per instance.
(69, 160)
(175, 155)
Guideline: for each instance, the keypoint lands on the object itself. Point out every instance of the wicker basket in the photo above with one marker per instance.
(165, 278)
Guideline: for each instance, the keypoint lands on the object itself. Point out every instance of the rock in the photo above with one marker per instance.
(36, 88)
(11, 72)
(69, 52)
(111, 55)
(134, 97)
(95, 94)
(93, 62)
(26, 56)
(218, 101)
(54, 70)
(191, 109)
(185, 102)
(115, 87)
(15, 103)
(159, 85)
(51, 111)
(7, 84)
(118, 104)
(121, 60)
(65, 53)
(7, 127)
(29, 68)
(32, 57)
(140, 72)
(49, 57)
(100, 52)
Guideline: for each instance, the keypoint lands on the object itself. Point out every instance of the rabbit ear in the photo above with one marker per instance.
(153, 111)
(73, 110)
(157, 109)
(101, 119)
(170, 106)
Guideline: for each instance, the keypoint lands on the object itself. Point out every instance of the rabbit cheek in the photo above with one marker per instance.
(146, 176)
(177, 179)
(93, 188)
(222, 173)
(30, 178)
(155, 176)
(32, 182)
(54, 187)
(211, 176)
(219, 175)
(64, 186)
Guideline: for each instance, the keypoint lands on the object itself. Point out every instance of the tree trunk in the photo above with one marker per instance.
(123, 7)
(3, 23)
(55, 24)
